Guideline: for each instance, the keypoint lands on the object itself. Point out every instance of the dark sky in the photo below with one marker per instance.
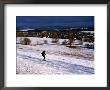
(39, 21)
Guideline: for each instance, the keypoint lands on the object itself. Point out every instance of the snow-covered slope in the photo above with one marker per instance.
(59, 59)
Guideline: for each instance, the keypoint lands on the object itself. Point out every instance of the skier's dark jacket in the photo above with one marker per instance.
(43, 53)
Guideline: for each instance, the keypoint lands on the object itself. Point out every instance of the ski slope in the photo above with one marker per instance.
(59, 60)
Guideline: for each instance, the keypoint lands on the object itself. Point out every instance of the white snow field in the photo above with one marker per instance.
(59, 58)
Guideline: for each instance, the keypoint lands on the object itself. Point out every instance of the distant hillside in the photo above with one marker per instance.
(56, 28)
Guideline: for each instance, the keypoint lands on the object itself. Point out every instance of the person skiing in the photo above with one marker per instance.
(43, 54)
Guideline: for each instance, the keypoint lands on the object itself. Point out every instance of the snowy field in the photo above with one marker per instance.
(59, 58)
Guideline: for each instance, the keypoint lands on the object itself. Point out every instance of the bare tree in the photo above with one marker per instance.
(71, 38)
(26, 41)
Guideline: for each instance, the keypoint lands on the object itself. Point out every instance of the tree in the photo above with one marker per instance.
(71, 38)
(26, 41)
(55, 38)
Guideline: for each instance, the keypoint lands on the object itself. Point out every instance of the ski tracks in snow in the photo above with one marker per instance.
(56, 64)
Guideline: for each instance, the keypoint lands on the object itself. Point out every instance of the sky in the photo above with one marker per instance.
(44, 21)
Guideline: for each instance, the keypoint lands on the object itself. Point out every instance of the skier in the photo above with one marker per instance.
(43, 54)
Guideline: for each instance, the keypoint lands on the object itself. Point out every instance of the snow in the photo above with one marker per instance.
(88, 32)
(77, 42)
(26, 29)
(37, 40)
(59, 58)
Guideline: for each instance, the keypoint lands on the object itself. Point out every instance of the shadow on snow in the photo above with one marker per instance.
(60, 64)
